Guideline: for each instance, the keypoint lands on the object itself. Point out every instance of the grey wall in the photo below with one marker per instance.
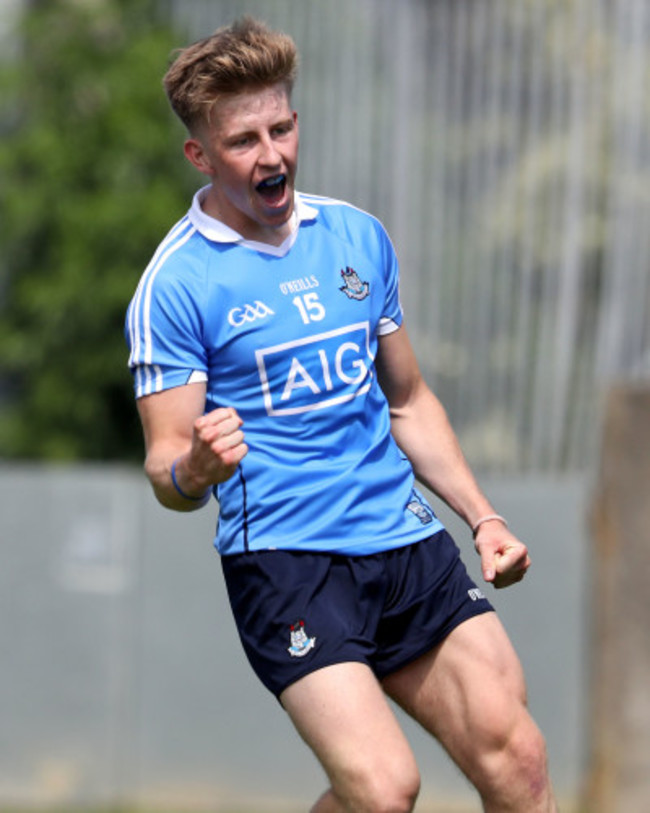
(122, 678)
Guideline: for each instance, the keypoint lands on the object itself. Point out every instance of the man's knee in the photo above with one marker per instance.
(392, 795)
(527, 755)
(517, 764)
(381, 788)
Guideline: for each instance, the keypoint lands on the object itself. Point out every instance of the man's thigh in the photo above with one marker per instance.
(342, 713)
(469, 691)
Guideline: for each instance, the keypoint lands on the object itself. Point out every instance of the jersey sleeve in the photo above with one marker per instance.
(392, 315)
(164, 332)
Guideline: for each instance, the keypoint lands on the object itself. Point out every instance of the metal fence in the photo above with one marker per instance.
(505, 145)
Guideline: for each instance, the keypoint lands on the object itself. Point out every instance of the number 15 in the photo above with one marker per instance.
(310, 308)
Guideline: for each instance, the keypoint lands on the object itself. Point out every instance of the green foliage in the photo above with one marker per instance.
(92, 177)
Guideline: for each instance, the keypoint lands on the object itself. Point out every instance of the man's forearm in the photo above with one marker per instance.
(422, 430)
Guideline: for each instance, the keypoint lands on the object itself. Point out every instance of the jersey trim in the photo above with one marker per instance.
(387, 326)
(218, 232)
(244, 490)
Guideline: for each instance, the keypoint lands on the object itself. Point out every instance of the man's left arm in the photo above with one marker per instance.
(422, 430)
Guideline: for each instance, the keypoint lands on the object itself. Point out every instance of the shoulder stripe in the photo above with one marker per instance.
(139, 312)
(322, 200)
(319, 200)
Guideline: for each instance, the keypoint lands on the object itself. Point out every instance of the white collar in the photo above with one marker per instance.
(218, 232)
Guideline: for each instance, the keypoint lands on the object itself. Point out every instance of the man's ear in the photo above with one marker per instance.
(195, 154)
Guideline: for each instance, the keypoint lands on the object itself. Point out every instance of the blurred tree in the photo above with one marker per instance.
(92, 176)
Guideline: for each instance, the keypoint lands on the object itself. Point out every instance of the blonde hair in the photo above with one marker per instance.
(246, 55)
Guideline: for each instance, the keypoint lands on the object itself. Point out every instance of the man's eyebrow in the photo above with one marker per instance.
(251, 130)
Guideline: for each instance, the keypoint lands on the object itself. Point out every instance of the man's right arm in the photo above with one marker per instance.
(187, 451)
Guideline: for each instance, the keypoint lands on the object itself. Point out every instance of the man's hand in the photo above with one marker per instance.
(217, 449)
(188, 452)
(504, 559)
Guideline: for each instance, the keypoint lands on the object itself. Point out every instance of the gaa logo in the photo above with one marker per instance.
(249, 313)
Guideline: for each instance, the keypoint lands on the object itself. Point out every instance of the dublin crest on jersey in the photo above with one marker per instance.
(301, 643)
(354, 287)
(421, 511)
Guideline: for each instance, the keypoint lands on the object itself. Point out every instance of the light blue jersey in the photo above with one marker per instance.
(287, 336)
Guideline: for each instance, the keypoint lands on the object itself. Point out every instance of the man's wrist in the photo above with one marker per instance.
(487, 518)
(184, 489)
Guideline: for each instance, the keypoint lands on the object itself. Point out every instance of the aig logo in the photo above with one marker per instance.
(317, 372)
(249, 313)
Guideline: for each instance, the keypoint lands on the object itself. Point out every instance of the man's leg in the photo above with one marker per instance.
(469, 692)
(343, 715)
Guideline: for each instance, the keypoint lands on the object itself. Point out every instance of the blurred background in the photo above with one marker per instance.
(505, 145)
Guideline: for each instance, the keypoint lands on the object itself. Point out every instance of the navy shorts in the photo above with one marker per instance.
(297, 612)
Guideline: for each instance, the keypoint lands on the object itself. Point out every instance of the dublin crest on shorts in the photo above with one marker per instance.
(301, 643)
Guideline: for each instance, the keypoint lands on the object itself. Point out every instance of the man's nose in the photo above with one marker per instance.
(269, 154)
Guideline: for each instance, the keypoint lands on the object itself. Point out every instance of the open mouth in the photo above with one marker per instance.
(272, 189)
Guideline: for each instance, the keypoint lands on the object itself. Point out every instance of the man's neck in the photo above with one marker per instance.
(249, 230)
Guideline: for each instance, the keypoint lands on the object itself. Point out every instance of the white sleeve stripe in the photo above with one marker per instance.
(197, 377)
(139, 313)
(386, 326)
(148, 379)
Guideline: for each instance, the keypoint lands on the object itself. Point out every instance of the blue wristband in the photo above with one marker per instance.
(180, 490)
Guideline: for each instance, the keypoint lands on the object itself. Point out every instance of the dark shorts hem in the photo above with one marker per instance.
(468, 612)
(336, 661)
(380, 674)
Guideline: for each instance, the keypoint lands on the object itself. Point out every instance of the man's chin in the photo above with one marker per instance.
(279, 209)
(278, 216)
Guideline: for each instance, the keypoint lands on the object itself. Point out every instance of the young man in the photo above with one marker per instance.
(277, 313)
